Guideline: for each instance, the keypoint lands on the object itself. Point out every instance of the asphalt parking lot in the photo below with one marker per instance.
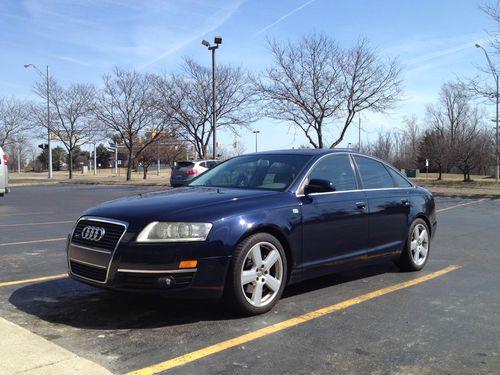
(378, 320)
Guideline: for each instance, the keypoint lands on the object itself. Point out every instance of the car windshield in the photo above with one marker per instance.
(270, 172)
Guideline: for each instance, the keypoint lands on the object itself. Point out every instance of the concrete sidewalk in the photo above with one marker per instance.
(23, 352)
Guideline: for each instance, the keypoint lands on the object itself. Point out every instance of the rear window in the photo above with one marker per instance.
(184, 164)
(373, 174)
(398, 179)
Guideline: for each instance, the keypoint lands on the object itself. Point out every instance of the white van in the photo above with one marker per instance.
(4, 174)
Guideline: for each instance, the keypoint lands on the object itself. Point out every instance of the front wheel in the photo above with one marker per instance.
(416, 252)
(258, 274)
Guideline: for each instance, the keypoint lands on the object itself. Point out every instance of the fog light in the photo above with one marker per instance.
(167, 281)
(188, 263)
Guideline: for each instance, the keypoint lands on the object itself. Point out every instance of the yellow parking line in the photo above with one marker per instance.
(41, 223)
(34, 241)
(460, 205)
(231, 343)
(44, 278)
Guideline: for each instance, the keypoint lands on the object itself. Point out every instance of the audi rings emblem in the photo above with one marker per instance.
(91, 233)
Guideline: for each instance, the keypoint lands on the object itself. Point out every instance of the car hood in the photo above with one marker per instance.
(190, 203)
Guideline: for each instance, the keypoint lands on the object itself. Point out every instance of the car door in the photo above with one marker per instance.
(388, 207)
(335, 224)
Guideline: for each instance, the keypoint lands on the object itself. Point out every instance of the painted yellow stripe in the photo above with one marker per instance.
(35, 280)
(42, 223)
(34, 241)
(460, 205)
(224, 345)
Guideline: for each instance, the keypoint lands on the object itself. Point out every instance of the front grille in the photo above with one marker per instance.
(108, 242)
(89, 272)
(152, 281)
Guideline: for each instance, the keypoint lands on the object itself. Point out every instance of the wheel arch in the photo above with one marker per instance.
(422, 216)
(280, 236)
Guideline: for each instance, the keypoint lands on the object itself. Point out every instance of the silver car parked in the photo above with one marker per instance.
(185, 171)
(4, 174)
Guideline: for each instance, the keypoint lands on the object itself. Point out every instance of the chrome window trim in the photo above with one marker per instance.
(352, 155)
(301, 185)
(102, 220)
(185, 270)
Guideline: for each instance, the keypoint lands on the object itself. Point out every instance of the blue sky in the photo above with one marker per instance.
(82, 40)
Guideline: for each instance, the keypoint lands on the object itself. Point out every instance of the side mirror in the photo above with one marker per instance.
(319, 186)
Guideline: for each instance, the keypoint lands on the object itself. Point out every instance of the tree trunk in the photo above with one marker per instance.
(145, 170)
(440, 177)
(70, 164)
(129, 166)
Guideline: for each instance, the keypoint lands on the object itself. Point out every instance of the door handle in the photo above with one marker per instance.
(361, 204)
(405, 201)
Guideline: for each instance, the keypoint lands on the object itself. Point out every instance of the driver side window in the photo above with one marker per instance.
(337, 169)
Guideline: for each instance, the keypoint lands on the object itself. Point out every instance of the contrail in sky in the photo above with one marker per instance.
(285, 16)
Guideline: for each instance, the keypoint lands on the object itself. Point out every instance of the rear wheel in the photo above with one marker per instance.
(258, 274)
(416, 252)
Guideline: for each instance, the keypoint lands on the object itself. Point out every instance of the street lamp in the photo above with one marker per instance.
(217, 41)
(47, 77)
(495, 75)
(256, 132)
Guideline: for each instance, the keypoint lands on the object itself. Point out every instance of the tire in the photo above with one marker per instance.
(255, 284)
(416, 252)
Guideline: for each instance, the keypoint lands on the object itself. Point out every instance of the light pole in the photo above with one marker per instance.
(256, 132)
(217, 41)
(47, 78)
(495, 75)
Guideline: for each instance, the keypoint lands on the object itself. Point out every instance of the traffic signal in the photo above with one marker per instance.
(43, 146)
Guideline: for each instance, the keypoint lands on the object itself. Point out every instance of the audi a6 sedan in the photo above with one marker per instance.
(254, 224)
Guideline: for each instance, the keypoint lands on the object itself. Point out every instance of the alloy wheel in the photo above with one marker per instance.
(419, 244)
(262, 274)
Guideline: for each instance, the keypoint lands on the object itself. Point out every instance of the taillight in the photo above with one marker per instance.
(5, 159)
(192, 171)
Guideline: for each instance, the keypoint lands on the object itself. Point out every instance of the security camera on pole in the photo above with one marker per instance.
(217, 41)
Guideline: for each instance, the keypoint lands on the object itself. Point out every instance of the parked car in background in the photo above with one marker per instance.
(253, 224)
(185, 171)
(4, 174)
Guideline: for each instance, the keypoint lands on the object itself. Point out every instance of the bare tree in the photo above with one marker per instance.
(14, 118)
(71, 122)
(186, 100)
(369, 84)
(431, 147)
(304, 86)
(313, 82)
(457, 126)
(125, 106)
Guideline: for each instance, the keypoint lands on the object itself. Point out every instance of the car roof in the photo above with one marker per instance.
(307, 151)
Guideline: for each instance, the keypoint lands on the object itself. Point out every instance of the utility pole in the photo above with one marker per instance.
(217, 41)
(495, 76)
(18, 158)
(359, 133)
(47, 78)
(95, 159)
(256, 132)
(158, 159)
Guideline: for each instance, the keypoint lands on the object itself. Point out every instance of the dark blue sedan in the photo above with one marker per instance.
(254, 224)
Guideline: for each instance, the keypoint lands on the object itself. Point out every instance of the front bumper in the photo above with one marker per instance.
(150, 267)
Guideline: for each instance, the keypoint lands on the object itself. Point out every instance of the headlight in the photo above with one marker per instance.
(174, 232)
